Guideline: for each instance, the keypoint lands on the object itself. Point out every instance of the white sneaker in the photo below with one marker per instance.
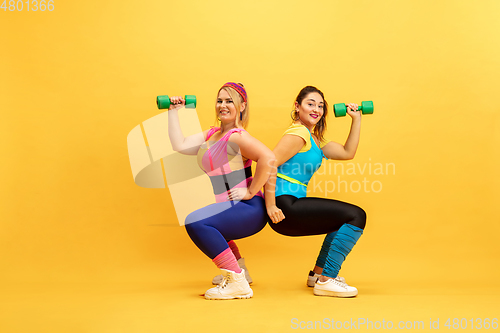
(313, 277)
(233, 285)
(241, 262)
(334, 287)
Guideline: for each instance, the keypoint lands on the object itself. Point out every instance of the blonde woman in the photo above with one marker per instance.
(239, 210)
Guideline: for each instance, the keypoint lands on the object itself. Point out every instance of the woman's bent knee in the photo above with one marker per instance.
(359, 218)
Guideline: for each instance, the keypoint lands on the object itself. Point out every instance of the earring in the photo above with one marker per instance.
(294, 114)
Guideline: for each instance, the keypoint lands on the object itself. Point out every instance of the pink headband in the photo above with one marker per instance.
(238, 88)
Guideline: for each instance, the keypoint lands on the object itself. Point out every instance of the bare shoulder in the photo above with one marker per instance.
(240, 137)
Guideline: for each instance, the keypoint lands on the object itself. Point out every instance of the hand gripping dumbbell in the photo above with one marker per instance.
(340, 109)
(163, 102)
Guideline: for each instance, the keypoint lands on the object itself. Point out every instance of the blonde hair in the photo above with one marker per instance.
(238, 101)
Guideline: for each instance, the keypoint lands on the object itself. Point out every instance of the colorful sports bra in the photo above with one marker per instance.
(223, 163)
(295, 174)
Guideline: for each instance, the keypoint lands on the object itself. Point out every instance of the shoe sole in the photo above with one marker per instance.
(320, 292)
(311, 283)
(221, 281)
(249, 295)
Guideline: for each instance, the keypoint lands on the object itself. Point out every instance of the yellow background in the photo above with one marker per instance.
(83, 249)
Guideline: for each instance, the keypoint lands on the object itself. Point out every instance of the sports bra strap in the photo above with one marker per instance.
(231, 131)
(212, 130)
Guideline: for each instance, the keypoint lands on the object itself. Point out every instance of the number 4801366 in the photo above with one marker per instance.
(30, 5)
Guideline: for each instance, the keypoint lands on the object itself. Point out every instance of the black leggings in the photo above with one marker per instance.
(315, 216)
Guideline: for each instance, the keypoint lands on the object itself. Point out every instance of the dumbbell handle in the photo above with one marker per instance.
(360, 107)
(163, 102)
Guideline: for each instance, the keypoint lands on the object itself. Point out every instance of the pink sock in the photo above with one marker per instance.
(235, 249)
(226, 260)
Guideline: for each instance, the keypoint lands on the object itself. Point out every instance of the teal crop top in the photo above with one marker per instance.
(295, 174)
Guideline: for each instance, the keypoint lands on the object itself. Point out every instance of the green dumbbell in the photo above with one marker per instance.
(340, 109)
(163, 102)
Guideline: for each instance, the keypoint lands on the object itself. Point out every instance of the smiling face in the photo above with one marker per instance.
(225, 107)
(228, 110)
(310, 110)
